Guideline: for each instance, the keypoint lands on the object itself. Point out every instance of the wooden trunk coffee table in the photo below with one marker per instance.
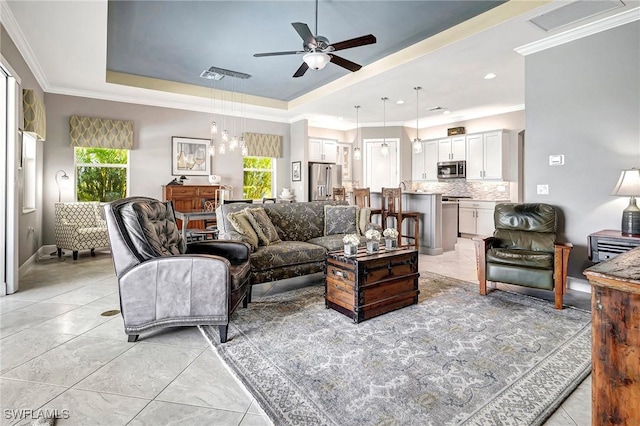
(367, 285)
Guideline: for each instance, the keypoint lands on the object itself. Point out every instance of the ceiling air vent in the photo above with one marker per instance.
(436, 109)
(215, 73)
(574, 12)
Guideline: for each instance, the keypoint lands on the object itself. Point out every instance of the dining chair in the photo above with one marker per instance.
(362, 198)
(339, 194)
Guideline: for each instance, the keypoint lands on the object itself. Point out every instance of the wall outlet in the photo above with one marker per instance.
(543, 190)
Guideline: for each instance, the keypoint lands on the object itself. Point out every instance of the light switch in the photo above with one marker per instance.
(543, 190)
(556, 160)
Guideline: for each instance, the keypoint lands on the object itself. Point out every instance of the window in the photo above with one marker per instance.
(259, 176)
(101, 173)
(28, 172)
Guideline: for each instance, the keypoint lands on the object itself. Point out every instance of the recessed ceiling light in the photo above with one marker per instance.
(399, 101)
(446, 111)
(489, 76)
(340, 118)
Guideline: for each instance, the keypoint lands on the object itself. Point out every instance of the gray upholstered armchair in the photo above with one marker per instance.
(523, 250)
(164, 282)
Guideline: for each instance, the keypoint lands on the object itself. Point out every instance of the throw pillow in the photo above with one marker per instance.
(364, 219)
(241, 224)
(267, 233)
(340, 220)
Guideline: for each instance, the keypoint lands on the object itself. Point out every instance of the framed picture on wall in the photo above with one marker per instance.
(190, 156)
(296, 174)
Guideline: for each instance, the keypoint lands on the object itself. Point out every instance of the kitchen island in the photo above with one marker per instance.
(438, 220)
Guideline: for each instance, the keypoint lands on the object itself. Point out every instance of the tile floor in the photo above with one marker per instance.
(58, 353)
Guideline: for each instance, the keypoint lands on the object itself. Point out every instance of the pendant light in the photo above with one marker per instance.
(417, 142)
(384, 149)
(357, 152)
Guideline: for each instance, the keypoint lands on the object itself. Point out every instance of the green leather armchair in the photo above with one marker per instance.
(523, 250)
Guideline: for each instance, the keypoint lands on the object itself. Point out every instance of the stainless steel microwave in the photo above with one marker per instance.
(452, 170)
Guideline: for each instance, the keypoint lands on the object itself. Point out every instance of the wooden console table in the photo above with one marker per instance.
(188, 198)
(615, 312)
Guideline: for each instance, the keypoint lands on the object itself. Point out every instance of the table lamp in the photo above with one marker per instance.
(629, 186)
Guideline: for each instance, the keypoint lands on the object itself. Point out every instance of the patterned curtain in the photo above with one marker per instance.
(35, 117)
(100, 132)
(263, 145)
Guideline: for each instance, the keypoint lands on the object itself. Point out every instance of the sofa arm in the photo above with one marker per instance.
(175, 287)
(235, 251)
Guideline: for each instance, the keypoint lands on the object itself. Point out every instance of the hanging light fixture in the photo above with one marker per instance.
(233, 143)
(384, 149)
(357, 152)
(417, 142)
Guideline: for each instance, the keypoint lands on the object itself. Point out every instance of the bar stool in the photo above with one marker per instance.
(339, 194)
(362, 198)
(392, 207)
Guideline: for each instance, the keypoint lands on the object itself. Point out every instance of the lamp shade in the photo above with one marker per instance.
(316, 60)
(628, 184)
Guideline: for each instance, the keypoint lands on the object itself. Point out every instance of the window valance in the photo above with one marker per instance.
(35, 117)
(263, 145)
(100, 132)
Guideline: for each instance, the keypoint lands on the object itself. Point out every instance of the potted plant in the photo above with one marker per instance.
(351, 242)
(390, 238)
(373, 240)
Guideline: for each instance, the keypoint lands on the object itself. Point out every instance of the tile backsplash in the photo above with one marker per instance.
(462, 187)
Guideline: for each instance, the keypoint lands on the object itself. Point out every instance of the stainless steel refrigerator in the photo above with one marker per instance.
(323, 177)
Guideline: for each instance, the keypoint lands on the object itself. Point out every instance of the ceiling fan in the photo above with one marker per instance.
(318, 51)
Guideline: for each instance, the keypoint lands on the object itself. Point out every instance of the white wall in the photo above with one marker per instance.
(583, 101)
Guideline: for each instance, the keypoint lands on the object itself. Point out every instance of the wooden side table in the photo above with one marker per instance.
(615, 313)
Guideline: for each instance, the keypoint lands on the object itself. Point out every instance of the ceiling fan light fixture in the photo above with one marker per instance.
(316, 60)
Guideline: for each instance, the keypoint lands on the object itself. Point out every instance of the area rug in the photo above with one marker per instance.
(454, 358)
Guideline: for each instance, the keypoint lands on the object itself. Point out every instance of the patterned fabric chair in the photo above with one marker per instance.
(80, 226)
(165, 282)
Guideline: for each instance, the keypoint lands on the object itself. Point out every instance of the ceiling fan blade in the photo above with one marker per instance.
(291, 52)
(305, 33)
(354, 42)
(300, 72)
(345, 63)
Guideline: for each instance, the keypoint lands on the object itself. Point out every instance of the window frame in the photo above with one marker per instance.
(272, 170)
(29, 166)
(126, 166)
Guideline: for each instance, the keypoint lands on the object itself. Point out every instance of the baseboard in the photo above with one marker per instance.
(430, 251)
(43, 251)
(578, 284)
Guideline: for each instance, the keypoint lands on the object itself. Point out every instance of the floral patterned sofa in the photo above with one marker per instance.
(303, 237)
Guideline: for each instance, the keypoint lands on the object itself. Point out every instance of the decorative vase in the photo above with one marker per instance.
(350, 250)
(390, 243)
(373, 246)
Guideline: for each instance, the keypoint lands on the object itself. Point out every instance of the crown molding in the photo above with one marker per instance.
(141, 100)
(581, 32)
(13, 29)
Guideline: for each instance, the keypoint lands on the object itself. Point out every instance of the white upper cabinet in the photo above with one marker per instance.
(487, 156)
(424, 166)
(323, 150)
(452, 149)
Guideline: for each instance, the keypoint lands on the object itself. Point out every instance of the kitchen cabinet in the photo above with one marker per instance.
(476, 217)
(323, 150)
(424, 166)
(487, 156)
(452, 149)
(343, 158)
